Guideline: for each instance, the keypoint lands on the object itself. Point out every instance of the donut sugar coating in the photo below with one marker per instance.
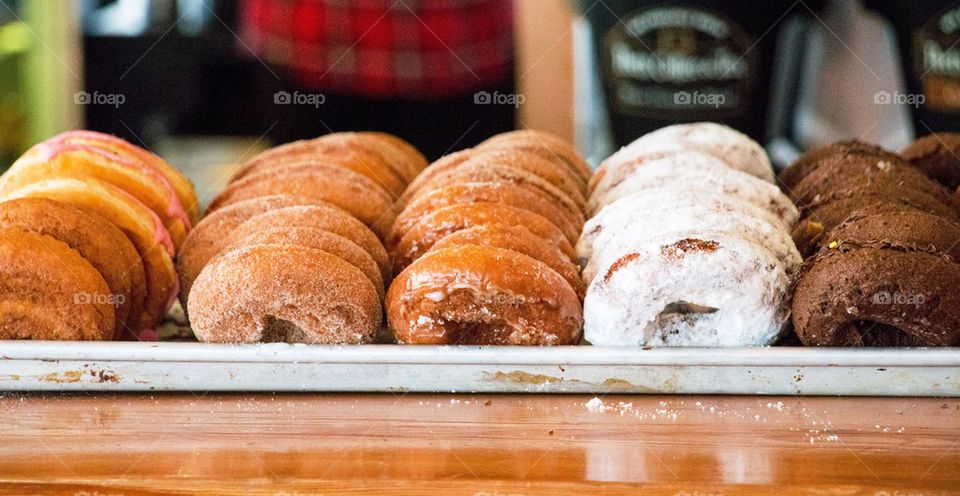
(936, 155)
(799, 169)
(98, 241)
(414, 160)
(482, 295)
(514, 195)
(536, 141)
(519, 239)
(451, 219)
(131, 175)
(325, 217)
(49, 292)
(283, 293)
(878, 296)
(344, 188)
(733, 147)
(319, 239)
(693, 170)
(399, 157)
(211, 234)
(362, 162)
(138, 223)
(679, 290)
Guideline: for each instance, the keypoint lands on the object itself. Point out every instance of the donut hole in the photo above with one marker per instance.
(873, 334)
(680, 317)
(277, 330)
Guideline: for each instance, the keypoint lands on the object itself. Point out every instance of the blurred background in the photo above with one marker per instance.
(206, 83)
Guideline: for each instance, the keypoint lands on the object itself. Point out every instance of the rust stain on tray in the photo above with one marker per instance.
(521, 377)
(75, 376)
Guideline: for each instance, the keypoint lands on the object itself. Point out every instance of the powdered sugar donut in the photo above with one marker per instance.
(707, 289)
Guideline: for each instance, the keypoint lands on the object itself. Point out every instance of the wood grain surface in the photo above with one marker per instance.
(478, 445)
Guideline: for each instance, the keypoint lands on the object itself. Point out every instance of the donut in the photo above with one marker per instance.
(733, 147)
(793, 174)
(450, 219)
(138, 223)
(209, 236)
(283, 293)
(528, 139)
(694, 170)
(99, 242)
(344, 188)
(693, 289)
(415, 160)
(514, 195)
(135, 177)
(482, 295)
(319, 239)
(48, 291)
(404, 163)
(937, 156)
(519, 239)
(181, 185)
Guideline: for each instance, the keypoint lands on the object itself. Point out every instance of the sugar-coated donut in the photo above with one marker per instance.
(519, 239)
(482, 295)
(138, 223)
(936, 155)
(319, 239)
(362, 162)
(283, 293)
(98, 241)
(450, 219)
(398, 156)
(514, 195)
(527, 139)
(49, 291)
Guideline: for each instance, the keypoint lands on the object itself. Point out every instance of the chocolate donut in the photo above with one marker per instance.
(938, 156)
(799, 169)
(482, 295)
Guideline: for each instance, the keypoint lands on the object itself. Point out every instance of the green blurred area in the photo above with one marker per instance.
(15, 41)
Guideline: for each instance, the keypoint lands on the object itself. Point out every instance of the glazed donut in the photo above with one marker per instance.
(210, 235)
(181, 185)
(101, 243)
(733, 147)
(136, 178)
(451, 219)
(514, 195)
(49, 291)
(283, 293)
(852, 149)
(482, 295)
(936, 155)
(693, 170)
(138, 223)
(678, 290)
(344, 188)
(362, 162)
(518, 239)
(319, 239)
(537, 141)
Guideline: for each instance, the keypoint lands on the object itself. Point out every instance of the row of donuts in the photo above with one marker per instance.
(292, 250)
(483, 246)
(89, 228)
(689, 243)
(882, 238)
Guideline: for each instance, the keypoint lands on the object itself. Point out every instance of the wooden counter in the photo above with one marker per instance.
(483, 445)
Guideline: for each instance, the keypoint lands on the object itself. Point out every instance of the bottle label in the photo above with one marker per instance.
(937, 46)
(679, 62)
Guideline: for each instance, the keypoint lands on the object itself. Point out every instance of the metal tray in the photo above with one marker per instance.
(180, 366)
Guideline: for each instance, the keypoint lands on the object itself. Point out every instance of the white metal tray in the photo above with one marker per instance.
(180, 366)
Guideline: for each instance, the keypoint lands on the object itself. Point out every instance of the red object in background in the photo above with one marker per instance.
(384, 48)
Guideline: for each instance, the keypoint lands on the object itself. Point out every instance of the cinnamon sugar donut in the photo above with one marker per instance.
(319, 239)
(450, 219)
(344, 188)
(370, 166)
(521, 240)
(138, 223)
(49, 291)
(283, 293)
(415, 160)
(531, 140)
(96, 240)
(482, 295)
(514, 195)
(407, 165)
